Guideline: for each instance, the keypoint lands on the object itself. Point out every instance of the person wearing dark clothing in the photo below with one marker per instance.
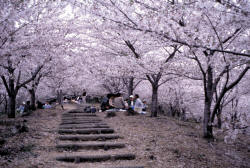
(131, 105)
(27, 107)
(105, 103)
(39, 105)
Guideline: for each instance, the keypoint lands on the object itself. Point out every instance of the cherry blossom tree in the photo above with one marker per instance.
(24, 44)
(123, 42)
(216, 29)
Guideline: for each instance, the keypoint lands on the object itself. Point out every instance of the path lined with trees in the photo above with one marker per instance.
(188, 58)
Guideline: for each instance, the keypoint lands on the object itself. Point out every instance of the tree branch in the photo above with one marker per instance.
(123, 13)
(176, 48)
(32, 77)
(131, 47)
(6, 85)
(149, 78)
(227, 88)
(18, 78)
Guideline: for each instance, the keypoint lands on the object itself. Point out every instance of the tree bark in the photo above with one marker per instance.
(32, 99)
(207, 125)
(219, 121)
(12, 98)
(12, 106)
(131, 86)
(60, 98)
(154, 104)
(5, 104)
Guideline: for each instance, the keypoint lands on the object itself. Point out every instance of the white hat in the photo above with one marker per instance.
(131, 96)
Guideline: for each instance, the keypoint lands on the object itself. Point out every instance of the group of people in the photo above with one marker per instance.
(136, 104)
(116, 101)
(25, 107)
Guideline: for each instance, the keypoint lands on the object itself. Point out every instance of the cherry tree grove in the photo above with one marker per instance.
(176, 49)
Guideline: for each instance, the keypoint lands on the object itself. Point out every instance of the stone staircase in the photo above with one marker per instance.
(83, 134)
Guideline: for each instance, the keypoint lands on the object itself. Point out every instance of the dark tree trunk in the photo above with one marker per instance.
(32, 99)
(154, 104)
(60, 98)
(207, 124)
(6, 105)
(131, 86)
(12, 99)
(219, 122)
(12, 106)
(154, 81)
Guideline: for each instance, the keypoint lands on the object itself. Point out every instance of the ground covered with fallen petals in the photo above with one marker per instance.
(157, 142)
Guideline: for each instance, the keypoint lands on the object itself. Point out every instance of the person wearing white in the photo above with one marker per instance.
(138, 104)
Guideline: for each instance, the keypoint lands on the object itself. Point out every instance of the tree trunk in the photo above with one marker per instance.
(12, 99)
(6, 105)
(154, 103)
(207, 124)
(32, 99)
(12, 107)
(60, 98)
(219, 122)
(131, 86)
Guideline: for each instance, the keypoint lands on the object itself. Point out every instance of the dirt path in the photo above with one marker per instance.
(156, 142)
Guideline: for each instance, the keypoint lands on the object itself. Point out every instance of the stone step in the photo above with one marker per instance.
(98, 137)
(95, 158)
(86, 131)
(80, 122)
(83, 126)
(90, 146)
(76, 111)
(78, 115)
(84, 118)
(81, 119)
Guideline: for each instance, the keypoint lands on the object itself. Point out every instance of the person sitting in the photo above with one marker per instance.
(21, 108)
(131, 103)
(119, 101)
(138, 104)
(47, 105)
(105, 103)
(39, 104)
(111, 98)
(145, 106)
(27, 107)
